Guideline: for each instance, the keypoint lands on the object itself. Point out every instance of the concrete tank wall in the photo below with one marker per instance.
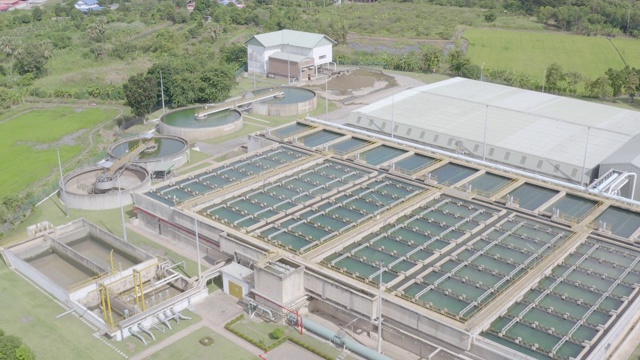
(300, 108)
(325, 288)
(417, 321)
(196, 134)
(110, 200)
(36, 276)
(158, 164)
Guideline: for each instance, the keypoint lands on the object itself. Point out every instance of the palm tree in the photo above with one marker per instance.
(47, 49)
(10, 48)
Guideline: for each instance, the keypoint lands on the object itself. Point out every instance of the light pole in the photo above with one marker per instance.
(124, 226)
(584, 159)
(484, 142)
(481, 71)
(198, 250)
(544, 77)
(162, 91)
(393, 124)
(380, 311)
(66, 211)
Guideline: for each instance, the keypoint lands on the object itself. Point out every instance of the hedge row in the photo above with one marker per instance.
(261, 344)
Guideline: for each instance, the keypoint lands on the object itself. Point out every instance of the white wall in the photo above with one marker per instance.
(255, 59)
(323, 50)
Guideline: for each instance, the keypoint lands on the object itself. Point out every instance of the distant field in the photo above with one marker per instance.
(29, 141)
(630, 50)
(533, 52)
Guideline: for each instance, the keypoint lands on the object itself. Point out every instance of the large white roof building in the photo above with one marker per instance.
(555, 136)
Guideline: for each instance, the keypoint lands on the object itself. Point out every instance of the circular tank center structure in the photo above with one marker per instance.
(168, 152)
(292, 101)
(185, 124)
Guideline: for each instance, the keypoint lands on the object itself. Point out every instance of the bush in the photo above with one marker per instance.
(277, 333)
(206, 341)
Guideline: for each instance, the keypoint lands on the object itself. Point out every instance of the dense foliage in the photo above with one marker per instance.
(12, 348)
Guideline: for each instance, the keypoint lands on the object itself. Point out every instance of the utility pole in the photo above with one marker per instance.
(544, 77)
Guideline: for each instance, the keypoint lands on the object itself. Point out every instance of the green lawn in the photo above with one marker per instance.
(629, 49)
(29, 142)
(189, 347)
(532, 52)
(29, 314)
(260, 331)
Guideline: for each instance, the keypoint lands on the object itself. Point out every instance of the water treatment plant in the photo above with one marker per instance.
(442, 251)
(494, 264)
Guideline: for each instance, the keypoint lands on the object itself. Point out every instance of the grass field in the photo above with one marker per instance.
(29, 141)
(29, 314)
(629, 49)
(189, 348)
(533, 52)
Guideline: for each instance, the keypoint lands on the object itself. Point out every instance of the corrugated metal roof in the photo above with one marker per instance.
(292, 37)
(529, 122)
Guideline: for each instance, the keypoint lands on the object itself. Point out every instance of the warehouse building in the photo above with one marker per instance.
(557, 137)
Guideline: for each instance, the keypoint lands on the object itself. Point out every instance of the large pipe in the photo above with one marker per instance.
(479, 162)
(135, 333)
(346, 341)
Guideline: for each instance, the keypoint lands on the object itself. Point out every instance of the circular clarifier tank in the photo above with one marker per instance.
(183, 123)
(78, 188)
(168, 152)
(293, 101)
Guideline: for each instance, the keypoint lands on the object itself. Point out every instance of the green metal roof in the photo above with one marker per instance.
(291, 37)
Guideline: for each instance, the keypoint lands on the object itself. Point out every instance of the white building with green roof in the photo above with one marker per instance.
(289, 53)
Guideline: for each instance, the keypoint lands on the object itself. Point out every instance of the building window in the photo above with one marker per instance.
(491, 151)
(476, 148)
(395, 129)
(574, 173)
(523, 160)
(422, 135)
(359, 118)
(322, 57)
(408, 131)
(556, 168)
(506, 156)
(435, 138)
(450, 141)
(540, 162)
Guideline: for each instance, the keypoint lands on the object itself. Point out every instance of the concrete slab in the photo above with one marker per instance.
(291, 351)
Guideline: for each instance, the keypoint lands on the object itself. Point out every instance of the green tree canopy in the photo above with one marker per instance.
(141, 93)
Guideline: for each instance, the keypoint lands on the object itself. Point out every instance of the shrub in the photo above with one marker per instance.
(206, 341)
(277, 333)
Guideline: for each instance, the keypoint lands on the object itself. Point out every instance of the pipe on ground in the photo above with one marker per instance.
(346, 341)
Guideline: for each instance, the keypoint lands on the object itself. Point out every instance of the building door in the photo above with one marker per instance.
(235, 290)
